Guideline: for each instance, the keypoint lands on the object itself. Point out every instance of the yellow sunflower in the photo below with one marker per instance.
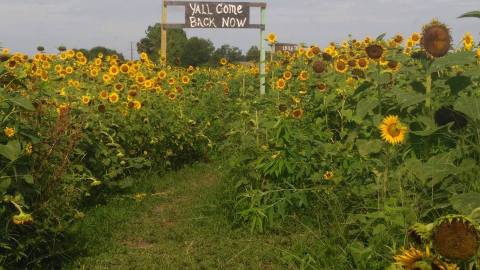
(393, 131)
(162, 74)
(281, 84)
(85, 100)
(341, 66)
(328, 175)
(468, 41)
(272, 38)
(9, 132)
(303, 76)
(113, 98)
(124, 68)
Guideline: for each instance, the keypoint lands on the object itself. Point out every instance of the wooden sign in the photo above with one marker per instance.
(285, 47)
(217, 15)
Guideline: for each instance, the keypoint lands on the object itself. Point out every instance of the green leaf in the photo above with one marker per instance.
(5, 183)
(471, 14)
(12, 150)
(22, 102)
(367, 147)
(465, 203)
(452, 59)
(364, 106)
(469, 106)
(28, 179)
(409, 98)
(458, 83)
(381, 37)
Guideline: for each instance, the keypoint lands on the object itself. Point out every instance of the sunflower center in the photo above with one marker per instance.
(394, 130)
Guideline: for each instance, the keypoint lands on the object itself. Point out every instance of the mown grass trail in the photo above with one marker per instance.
(180, 224)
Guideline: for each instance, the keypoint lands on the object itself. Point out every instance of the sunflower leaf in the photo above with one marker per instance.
(469, 106)
(465, 203)
(471, 14)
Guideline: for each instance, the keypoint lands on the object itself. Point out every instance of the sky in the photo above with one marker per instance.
(26, 24)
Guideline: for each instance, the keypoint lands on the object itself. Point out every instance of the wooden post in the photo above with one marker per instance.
(262, 50)
(163, 50)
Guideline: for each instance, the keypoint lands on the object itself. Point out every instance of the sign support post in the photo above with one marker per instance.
(262, 51)
(163, 49)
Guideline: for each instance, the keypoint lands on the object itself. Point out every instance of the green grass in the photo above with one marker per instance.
(180, 224)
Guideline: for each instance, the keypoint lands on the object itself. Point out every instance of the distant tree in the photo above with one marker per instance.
(232, 54)
(40, 48)
(61, 48)
(151, 43)
(93, 52)
(197, 52)
(253, 54)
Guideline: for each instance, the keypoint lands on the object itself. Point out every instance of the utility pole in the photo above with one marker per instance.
(131, 50)
(163, 50)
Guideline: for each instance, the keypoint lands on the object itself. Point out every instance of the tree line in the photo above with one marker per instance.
(194, 51)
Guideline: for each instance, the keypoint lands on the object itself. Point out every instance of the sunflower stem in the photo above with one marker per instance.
(428, 92)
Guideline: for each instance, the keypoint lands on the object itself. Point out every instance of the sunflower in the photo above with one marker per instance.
(171, 81)
(162, 74)
(113, 71)
(415, 37)
(124, 68)
(143, 56)
(287, 75)
(9, 132)
(456, 238)
(140, 79)
(298, 113)
(185, 79)
(392, 130)
(11, 64)
(374, 51)
(118, 87)
(172, 96)
(137, 105)
(408, 258)
(223, 61)
(97, 62)
(282, 107)
(272, 38)
(148, 84)
(101, 108)
(113, 97)
(106, 78)
(362, 63)
(341, 66)
(393, 65)
(468, 41)
(281, 84)
(103, 95)
(310, 54)
(318, 67)
(436, 39)
(94, 72)
(5, 51)
(303, 76)
(69, 70)
(85, 100)
(28, 149)
(322, 87)
(328, 175)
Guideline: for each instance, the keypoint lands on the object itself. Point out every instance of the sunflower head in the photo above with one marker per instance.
(374, 51)
(318, 67)
(455, 237)
(436, 39)
(298, 113)
(393, 131)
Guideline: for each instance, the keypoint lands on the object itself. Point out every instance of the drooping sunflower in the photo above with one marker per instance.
(436, 39)
(113, 97)
(456, 238)
(446, 115)
(393, 131)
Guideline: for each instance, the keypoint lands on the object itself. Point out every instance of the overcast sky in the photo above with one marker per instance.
(25, 24)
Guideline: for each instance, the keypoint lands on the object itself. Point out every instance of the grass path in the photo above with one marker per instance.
(178, 225)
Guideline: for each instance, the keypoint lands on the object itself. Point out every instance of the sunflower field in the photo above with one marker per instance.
(375, 141)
